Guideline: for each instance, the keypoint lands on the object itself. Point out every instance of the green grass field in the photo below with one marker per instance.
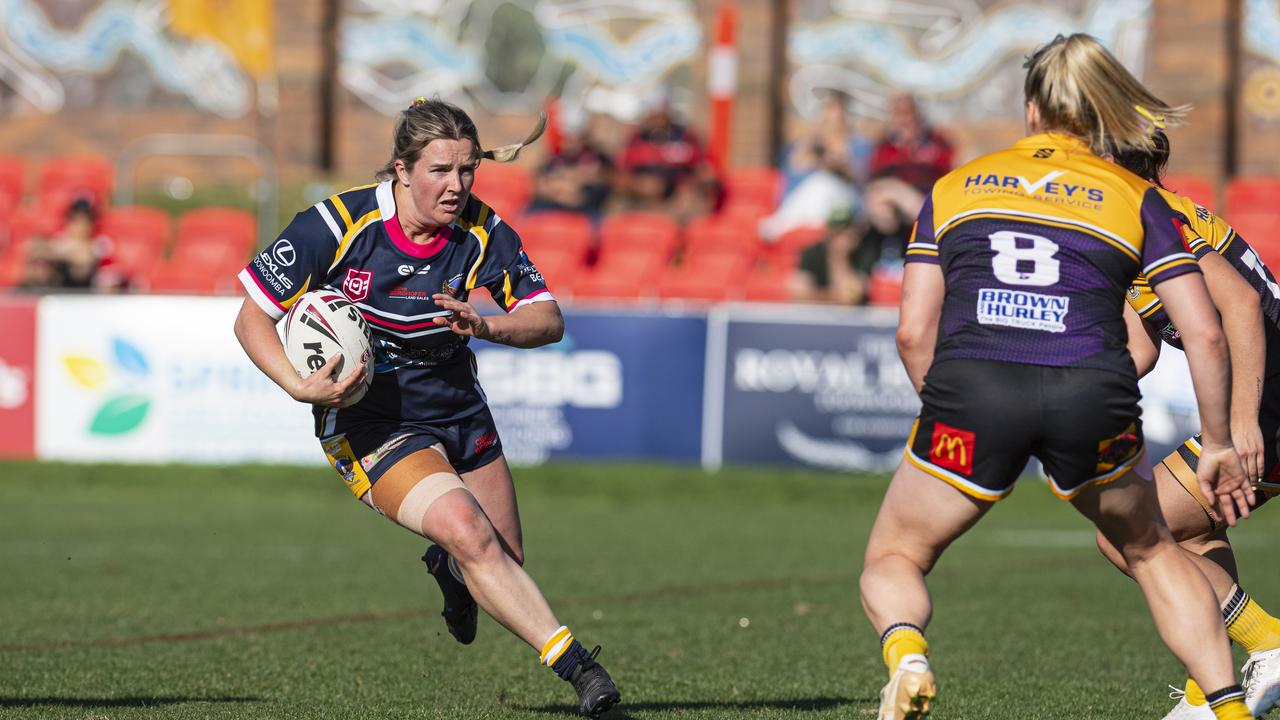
(178, 592)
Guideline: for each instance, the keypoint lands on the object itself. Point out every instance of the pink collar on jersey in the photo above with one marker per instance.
(420, 250)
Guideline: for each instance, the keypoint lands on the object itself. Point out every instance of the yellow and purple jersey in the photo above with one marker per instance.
(1038, 245)
(353, 243)
(1209, 233)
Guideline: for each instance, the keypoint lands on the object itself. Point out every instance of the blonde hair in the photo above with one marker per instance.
(1081, 89)
(434, 119)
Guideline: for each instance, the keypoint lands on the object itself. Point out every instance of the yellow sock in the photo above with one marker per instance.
(1251, 627)
(1228, 704)
(899, 640)
(1195, 696)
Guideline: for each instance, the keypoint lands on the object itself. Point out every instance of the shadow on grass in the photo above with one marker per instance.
(620, 712)
(120, 702)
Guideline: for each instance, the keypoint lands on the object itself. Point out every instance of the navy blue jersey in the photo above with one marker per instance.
(353, 243)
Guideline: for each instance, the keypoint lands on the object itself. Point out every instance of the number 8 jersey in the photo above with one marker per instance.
(1038, 245)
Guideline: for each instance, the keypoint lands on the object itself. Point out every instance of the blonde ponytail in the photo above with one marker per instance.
(507, 153)
(1081, 89)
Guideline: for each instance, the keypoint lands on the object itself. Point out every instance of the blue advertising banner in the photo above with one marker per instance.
(805, 385)
(619, 385)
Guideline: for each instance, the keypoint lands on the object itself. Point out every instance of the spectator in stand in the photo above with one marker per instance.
(76, 257)
(822, 172)
(830, 147)
(576, 178)
(665, 167)
(838, 269)
(910, 149)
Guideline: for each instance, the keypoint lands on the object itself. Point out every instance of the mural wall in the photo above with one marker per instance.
(507, 56)
(963, 58)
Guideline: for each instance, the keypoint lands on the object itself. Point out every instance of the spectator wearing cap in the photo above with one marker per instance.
(910, 149)
(665, 167)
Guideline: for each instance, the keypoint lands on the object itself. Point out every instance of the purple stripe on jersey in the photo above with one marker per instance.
(409, 247)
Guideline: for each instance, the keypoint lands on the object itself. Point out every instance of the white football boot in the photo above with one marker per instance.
(910, 691)
(1261, 681)
(1185, 710)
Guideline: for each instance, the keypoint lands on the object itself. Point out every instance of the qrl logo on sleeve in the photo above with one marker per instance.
(952, 448)
(356, 284)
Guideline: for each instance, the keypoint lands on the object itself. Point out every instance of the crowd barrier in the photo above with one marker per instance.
(162, 379)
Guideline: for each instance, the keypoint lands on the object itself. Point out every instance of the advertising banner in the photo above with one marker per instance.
(158, 379)
(813, 386)
(619, 385)
(17, 377)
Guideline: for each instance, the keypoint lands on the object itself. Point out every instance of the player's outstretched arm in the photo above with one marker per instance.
(1241, 311)
(256, 332)
(528, 326)
(1221, 476)
(922, 292)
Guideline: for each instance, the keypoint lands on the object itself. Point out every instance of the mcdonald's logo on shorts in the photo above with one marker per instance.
(952, 448)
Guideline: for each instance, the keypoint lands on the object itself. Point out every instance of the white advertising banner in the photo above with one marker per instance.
(158, 379)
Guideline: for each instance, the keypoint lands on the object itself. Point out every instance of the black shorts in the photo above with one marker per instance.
(983, 420)
(363, 451)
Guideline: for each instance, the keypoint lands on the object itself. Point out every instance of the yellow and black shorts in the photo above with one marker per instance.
(983, 420)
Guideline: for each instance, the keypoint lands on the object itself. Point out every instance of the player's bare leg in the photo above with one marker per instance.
(422, 493)
(920, 516)
(495, 490)
(1206, 542)
(1180, 598)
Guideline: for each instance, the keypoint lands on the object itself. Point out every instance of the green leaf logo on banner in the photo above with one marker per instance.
(120, 414)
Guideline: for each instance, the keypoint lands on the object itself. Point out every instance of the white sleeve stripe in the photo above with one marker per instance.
(540, 297)
(328, 220)
(259, 298)
(1168, 259)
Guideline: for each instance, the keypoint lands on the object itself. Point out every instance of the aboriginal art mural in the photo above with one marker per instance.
(1261, 77)
(57, 53)
(961, 57)
(509, 55)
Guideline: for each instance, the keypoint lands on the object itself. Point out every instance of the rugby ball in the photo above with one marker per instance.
(320, 324)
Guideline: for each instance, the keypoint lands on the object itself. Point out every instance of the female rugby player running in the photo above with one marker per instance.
(1248, 300)
(1012, 331)
(421, 447)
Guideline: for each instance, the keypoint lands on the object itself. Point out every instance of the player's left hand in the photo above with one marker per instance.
(463, 319)
(1223, 482)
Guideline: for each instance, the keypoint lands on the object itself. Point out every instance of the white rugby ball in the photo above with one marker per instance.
(320, 324)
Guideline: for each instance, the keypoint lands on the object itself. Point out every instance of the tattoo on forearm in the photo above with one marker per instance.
(501, 337)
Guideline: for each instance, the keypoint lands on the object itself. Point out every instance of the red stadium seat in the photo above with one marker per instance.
(753, 187)
(884, 288)
(137, 225)
(559, 268)
(505, 188)
(1251, 194)
(66, 177)
(715, 232)
(27, 222)
(230, 227)
(13, 179)
(768, 283)
(555, 230)
(659, 232)
(790, 244)
(1193, 186)
(623, 274)
(136, 261)
(707, 275)
(200, 268)
(1258, 228)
